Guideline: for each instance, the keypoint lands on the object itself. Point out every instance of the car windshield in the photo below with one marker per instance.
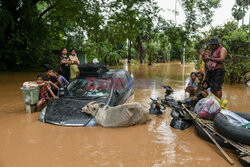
(81, 88)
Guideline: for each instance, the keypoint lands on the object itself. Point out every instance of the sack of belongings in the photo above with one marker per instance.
(207, 108)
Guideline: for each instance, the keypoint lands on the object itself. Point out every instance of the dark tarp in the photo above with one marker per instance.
(67, 112)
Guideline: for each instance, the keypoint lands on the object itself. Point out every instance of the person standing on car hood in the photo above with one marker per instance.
(215, 65)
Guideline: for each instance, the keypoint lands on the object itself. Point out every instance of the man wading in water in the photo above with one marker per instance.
(215, 66)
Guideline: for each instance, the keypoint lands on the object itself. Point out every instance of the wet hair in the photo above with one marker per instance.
(63, 49)
(72, 49)
(200, 73)
(206, 81)
(192, 74)
(40, 76)
(49, 68)
(59, 71)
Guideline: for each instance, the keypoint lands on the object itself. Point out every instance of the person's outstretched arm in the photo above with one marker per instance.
(52, 93)
(54, 85)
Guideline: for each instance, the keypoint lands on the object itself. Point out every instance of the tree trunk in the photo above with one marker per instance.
(243, 16)
(141, 55)
(175, 10)
(129, 51)
(249, 26)
(150, 60)
(139, 48)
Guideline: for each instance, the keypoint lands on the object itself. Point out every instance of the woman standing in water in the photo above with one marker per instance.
(65, 64)
(74, 71)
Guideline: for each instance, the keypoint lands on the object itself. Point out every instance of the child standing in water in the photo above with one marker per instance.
(45, 89)
(192, 85)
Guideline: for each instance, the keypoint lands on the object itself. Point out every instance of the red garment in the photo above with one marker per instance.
(44, 92)
(216, 54)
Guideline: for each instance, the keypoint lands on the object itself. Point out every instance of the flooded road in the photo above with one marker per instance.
(26, 142)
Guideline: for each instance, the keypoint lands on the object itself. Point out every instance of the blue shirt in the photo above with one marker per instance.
(64, 82)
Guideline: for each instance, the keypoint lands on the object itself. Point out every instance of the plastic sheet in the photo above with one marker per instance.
(234, 118)
(207, 108)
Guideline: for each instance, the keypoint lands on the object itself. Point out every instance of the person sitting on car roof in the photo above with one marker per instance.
(53, 80)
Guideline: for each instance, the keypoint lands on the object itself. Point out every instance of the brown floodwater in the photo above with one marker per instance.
(26, 142)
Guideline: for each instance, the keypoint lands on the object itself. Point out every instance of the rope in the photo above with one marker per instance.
(209, 125)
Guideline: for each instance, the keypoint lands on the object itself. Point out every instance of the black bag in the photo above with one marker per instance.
(92, 69)
(179, 123)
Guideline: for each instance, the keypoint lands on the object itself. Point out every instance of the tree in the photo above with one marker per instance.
(29, 27)
(176, 36)
(198, 13)
(240, 9)
(235, 40)
(133, 19)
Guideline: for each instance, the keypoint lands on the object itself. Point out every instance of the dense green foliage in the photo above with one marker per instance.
(240, 9)
(236, 41)
(199, 13)
(109, 30)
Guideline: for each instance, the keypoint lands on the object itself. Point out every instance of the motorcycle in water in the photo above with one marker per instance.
(181, 119)
(157, 107)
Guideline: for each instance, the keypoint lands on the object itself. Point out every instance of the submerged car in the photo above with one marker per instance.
(96, 83)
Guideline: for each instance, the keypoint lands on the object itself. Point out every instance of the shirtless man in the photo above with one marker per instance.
(215, 65)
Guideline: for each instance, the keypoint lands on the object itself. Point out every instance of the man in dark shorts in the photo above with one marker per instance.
(215, 66)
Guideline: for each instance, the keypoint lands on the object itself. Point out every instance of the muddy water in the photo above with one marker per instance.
(26, 142)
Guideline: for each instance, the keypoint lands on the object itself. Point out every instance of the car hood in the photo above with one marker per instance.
(67, 112)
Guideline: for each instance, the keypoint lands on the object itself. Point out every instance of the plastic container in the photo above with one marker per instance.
(31, 95)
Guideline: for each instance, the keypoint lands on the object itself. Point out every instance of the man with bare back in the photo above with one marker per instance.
(215, 66)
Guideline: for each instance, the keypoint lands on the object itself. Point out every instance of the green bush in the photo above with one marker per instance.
(236, 41)
(104, 52)
(237, 69)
